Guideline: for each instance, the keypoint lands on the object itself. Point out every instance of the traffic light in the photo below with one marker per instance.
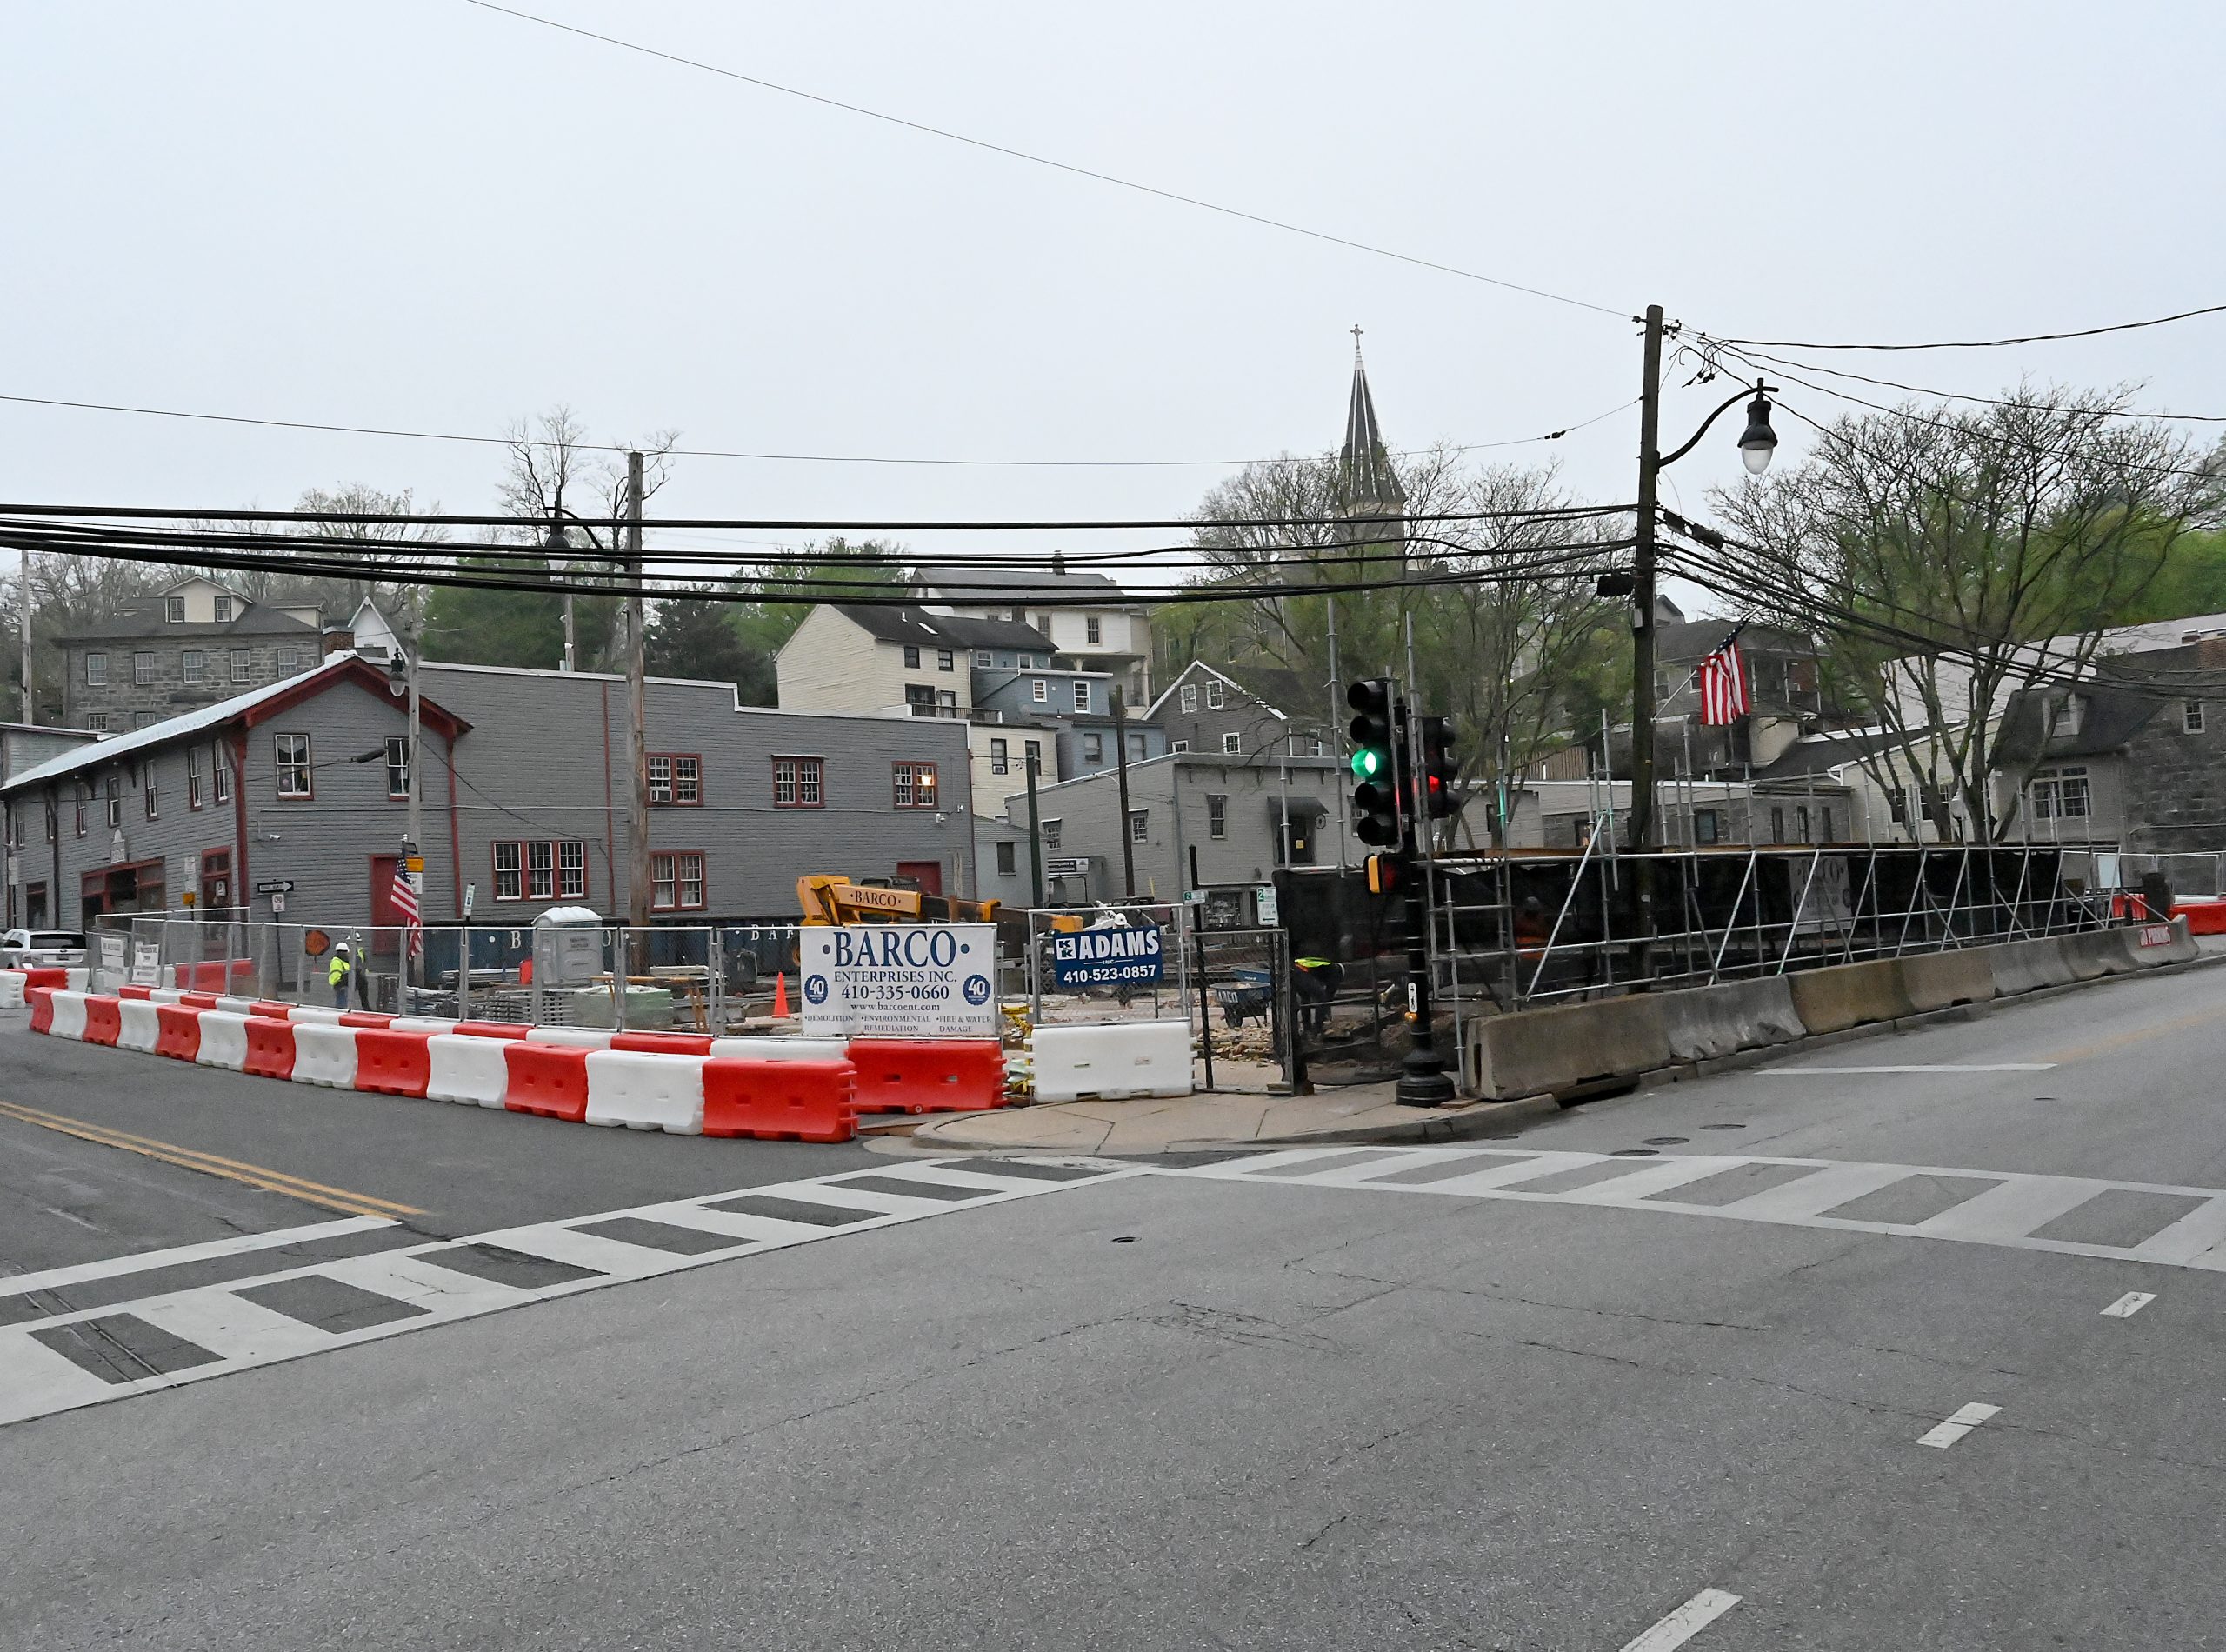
(1376, 762)
(1439, 769)
(1383, 874)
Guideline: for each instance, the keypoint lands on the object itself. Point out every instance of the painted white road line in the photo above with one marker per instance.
(2130, 1304)
(1949, 1066)
(1685, 1622)
(141, 1261)
(1957, 1426)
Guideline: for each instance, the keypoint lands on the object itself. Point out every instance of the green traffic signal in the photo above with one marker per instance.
(1366, 762)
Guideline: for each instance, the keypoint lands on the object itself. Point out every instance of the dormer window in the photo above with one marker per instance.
(174, 609)
(223, 610)
(2065, 717)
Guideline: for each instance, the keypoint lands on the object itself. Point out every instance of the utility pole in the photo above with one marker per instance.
(1121, 762)
(24, 635)
(637, 809)
(1034, 833)
(413, 852)
(1649, 463)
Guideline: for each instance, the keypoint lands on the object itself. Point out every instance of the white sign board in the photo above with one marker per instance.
(146, 963)
(899, 980)
(110, 975)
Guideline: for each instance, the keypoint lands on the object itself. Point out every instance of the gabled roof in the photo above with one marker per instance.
(917, 627)
(256, 706)
(960, 584)
(138, 622)
(1265, 684)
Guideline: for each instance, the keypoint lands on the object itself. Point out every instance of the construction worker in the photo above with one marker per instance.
(1315, 982)
(341, 971)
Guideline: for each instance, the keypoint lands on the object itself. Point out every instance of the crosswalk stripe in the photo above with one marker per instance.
(239, 1333)
(2007, 1208)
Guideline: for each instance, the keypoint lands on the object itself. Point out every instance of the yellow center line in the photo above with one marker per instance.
(2134, 1036)
(254, 1176)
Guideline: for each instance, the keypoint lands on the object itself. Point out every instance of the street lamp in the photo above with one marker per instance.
(1757, 442)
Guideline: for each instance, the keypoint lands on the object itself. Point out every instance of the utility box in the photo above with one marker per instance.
(567, 947)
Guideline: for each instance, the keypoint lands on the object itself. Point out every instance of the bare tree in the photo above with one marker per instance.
(1953, 558)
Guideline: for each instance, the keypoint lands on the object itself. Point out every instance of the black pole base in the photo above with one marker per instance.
(1424, 1083)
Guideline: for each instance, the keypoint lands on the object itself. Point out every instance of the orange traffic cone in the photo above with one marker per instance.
(781, 996)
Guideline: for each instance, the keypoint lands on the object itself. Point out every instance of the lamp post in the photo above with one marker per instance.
(1756, 443)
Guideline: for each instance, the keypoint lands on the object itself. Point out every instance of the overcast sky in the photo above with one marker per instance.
(418, 213)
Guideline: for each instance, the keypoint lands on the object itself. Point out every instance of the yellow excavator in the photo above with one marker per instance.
(829, 897)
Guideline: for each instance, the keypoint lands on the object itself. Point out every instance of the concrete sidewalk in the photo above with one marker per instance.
(1363, 1113)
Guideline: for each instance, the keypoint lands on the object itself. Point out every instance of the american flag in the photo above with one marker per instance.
(405, 901)
(1724, 696)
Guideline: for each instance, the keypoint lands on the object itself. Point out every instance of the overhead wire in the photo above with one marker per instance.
(1751, 355)
(1012, 153)
(1986, 343)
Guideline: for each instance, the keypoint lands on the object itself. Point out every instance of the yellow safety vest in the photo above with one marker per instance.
(339, 972)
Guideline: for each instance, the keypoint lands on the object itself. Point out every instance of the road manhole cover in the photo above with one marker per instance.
(1666, 1141)
(1634, 1153)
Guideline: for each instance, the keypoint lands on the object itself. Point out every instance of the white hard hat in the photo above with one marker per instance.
(343, 947)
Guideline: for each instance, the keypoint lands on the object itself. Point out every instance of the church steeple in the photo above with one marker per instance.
(1366, 484)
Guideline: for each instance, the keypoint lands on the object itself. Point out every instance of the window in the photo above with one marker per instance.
(921, 699)
(147, 787)
(1043, 624)
(174, 609)
(1216, 814)
(945, 660)
(660, 780)
(34, 904)
(1707, 826)
(1178, 745)
(243, 665)
(2190, 716)
(53, 824)
(1082, 694)
(911, 656)
(193, 665)
(292, 752)
(1000, 757)
(2064, 715)
(1093, 629)
(2060, 794)
(96, 669)
(1825, 836)
(223, 610)
(1232, 743)
(193, 777)
(1897, 805)
(1213, 696)
(1778, 825)
(145, 719)
(142, 666)
(97, 721)
(541, 871)
(677, 882)
(1093, 748)
(397, 765)
(289, 660)
(572, 871)
(1190, 697)
(1039, 690)
(1801, 819)
(84, 797)
(797, 782)
(1008, 859)
(1035, 751)
(1051, 833)
(1020, 616)
(946, 703)
(1140, 825)
(112, 793)
(915, 785)
(224, 774)
(982, 658)
(1135, 748)
(509, 871)
(1026, 661)
(687, 780)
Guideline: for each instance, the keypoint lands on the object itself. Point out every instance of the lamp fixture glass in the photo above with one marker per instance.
(1757, 442)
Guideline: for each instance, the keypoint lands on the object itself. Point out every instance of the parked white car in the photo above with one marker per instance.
(40, 949)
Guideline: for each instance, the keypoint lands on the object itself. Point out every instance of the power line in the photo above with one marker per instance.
(1975, 343)
(1040, 160)
(1753, 356)
(767, 457)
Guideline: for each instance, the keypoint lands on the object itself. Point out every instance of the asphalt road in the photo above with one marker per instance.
(1400, 1398)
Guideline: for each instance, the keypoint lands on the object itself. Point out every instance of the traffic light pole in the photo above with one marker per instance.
(1423, 1080)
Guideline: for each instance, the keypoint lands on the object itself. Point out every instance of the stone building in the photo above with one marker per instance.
(188, 645)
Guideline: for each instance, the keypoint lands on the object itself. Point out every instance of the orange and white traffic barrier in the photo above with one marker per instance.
(797, 1101)
(929, 1074)
(11, 990)
(137, 1026)
(644, 1090)
(325, 1054)
(467, 1070)
(223, 1040)
(178, 1032)
(550, 1080)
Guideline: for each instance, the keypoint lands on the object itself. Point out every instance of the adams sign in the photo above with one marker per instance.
(899, 980)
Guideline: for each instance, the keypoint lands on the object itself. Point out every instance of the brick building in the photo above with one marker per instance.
(190, 645)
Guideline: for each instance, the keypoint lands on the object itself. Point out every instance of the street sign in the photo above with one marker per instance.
(146, 963)
(275, 886)
(1263, 906)
(1073, 866)
(471, 895)
(1127, 955)
(899, 980)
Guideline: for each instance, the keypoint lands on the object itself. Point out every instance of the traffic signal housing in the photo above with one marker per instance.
(1376, 762)
(1440, 770)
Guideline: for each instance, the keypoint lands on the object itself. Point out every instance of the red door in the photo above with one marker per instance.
(927, 874)
(386, 922)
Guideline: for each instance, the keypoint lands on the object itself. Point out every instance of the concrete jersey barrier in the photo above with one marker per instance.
(1941, 980)
(1703, 1023)
(1539, 1052)
(2027, 966)
(1848, 995)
